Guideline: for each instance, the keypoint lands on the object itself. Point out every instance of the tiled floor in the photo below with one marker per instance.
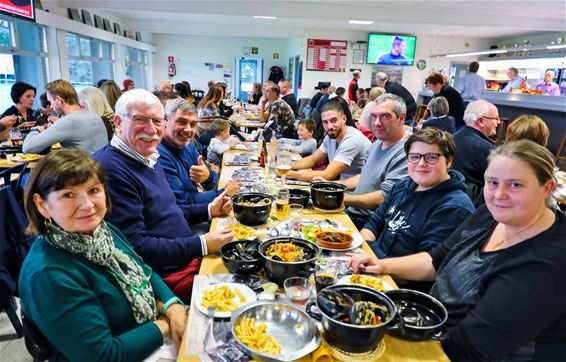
(12, 348)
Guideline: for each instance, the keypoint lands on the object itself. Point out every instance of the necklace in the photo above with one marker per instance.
(499, 244)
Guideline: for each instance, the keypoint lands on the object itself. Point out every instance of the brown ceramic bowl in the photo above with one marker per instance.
(334, 239)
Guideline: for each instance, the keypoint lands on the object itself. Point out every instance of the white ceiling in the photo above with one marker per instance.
(472, 18)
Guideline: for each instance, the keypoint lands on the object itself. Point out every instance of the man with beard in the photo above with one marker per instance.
(143, 205)
(345, 147)
(385, 162)
(76, 129)
(184, 167)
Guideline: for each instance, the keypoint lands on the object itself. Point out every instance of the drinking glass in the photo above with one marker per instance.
(324, 277)
(15, 136)
(295, 217)
(284, 166)
(282, 204)
(298, 290)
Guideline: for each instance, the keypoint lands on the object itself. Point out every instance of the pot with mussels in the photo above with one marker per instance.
(252, 208)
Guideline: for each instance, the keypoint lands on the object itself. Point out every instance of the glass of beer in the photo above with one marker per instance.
(284, 166)
(324, 277)
(282, 204)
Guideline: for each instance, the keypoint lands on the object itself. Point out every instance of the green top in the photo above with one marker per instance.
(81, 309)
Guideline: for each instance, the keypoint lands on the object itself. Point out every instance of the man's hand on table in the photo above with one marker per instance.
(199, 173)
(221, 205)
(363, 262)
(232, 188)
(215, 239)
(319, 179)
(177, 317)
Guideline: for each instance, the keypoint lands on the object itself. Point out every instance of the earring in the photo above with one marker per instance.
(47, 223)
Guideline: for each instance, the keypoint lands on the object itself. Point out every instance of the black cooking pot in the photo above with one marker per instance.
(252, 215)
(422, 316)
(349, 337)
(327, 195)
(277, 271)
(240, 263)
(299, 196)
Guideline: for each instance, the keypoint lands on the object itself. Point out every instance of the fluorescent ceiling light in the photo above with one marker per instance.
(495, 51)
(265, 17)
(561, 46)
(360, 22)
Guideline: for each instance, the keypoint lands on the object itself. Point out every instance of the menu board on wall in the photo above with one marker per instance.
(327, 55)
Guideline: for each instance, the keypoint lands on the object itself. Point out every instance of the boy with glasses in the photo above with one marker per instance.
(424, 208)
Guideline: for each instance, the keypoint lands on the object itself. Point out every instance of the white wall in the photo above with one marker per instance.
(213, 49)
(413, 79)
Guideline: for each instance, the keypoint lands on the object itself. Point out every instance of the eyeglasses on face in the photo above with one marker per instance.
(141, 120)
(494, 118)
(430, 158)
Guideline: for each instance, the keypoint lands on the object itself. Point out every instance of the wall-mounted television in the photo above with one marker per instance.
(394, 49)
(23, 9)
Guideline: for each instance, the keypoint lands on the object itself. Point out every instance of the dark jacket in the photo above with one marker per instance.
(444, 123)
(13, 110)
(409, 221)
(455, 103)
(399, 90)
(291, 101)
(470, 158)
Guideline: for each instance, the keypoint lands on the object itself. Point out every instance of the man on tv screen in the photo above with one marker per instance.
(395, 56)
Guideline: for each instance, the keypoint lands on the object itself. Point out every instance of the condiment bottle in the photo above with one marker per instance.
(263, 154)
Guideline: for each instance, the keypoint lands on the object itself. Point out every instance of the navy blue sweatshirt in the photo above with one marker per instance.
(144, 209)
(408, 221)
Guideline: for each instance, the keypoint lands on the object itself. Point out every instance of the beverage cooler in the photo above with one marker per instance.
(561, 80)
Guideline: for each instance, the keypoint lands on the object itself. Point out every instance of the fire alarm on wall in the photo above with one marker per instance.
(171, 59)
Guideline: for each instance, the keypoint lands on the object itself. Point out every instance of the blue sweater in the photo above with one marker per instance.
(144, 208)
(81, 309)
(409, 221)
(177, 164)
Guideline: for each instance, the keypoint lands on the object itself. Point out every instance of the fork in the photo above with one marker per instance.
(210, 314)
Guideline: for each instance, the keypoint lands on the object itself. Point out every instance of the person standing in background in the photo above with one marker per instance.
(395, 88)
(353, 86)
(472, 84)
(548, 86)
(438, 84)
(514, 80)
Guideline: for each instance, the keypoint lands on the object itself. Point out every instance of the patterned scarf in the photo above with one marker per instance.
(101, 250)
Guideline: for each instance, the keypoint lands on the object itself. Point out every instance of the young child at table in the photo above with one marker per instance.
(219, 144)
(306, 144)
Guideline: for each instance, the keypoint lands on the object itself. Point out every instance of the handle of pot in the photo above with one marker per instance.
(396, 324)
(441, 335)
(316, 315)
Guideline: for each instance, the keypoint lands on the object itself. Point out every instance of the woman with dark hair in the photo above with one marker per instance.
(23, 96)
(223, 109)
(183, 89)
(82, 284)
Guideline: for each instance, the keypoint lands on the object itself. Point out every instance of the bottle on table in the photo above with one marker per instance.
(263, 154)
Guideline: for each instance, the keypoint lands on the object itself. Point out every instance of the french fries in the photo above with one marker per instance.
(256, 337)
(374, 283)
(242, 232)
(222, 297)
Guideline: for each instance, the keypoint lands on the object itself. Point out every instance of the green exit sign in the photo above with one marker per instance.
(255, 50)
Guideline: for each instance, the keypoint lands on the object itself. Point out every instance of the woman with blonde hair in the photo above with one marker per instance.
(500, 273)
(92, 99)
(209, 105)
(528, 127)
(111, 91)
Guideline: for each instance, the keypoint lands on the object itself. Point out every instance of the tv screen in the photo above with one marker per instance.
(391, 49)
(19, 8)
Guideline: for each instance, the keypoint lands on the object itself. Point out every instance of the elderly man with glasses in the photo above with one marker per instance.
(143, 204)
(473, 144)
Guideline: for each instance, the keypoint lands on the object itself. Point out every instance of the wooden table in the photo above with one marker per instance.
(396, 350)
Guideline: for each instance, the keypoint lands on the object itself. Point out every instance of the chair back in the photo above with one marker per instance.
(36, 343)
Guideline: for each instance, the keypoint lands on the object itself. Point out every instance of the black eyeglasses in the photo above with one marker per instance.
(430, 158)
(494, 118)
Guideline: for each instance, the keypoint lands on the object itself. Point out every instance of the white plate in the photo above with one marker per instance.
(358, 241)
(345, 280)
(246, 291)
(20, 157)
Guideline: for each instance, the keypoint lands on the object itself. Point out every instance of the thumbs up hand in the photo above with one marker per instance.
(200, 172)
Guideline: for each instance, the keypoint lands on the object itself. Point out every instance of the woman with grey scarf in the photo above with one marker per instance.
(82, 284)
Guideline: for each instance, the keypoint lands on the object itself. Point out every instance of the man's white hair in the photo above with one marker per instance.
(381, 76)
(475, 110)
(136, 97)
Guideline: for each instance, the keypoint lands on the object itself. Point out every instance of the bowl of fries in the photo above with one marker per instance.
(225, 297)
(274, 331)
